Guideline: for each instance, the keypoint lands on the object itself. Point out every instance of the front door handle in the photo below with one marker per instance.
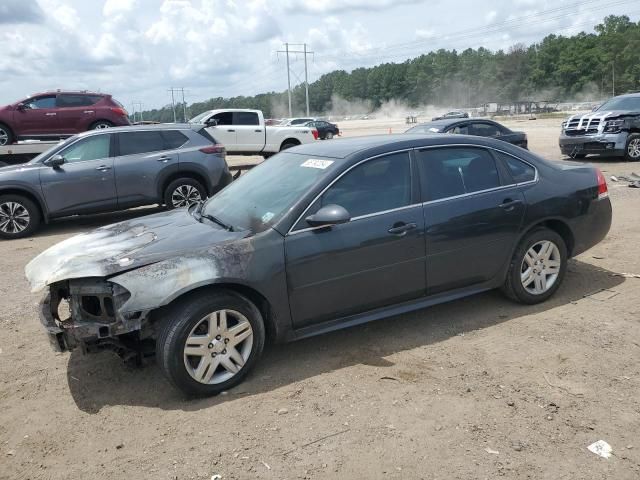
(401, 228)
(230, 130)
(508, 204)
(88, 111)
(51, 114)
(103, 168)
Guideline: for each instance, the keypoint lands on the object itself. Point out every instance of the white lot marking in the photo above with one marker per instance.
(601, 448)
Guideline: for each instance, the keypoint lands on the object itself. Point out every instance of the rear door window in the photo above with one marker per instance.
(246, 118)
(375, 186)
(484, 130)
(173, 139)
(449, 172)
(67, 101)
(132, 143)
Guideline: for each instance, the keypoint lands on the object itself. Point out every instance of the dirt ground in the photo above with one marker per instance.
(475, 389)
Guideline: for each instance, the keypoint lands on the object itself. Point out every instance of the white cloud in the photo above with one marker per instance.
(117, 7)
(341, 6)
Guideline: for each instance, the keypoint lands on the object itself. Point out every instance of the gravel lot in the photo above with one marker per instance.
(479, 388)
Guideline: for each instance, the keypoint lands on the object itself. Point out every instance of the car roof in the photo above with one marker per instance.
(136, 128)
(380, 144)
(72, 92)
(445, 122)
(634, 94)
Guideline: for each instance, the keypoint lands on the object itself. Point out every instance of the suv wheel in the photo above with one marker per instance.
(208, 343)
(6, 135)
(19, 217)
(183, 192)
(101, 124)
(328, 136)
(537, 268)
(632, 152)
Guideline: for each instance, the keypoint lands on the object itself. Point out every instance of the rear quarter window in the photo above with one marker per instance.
(520, 171)
(173, 139)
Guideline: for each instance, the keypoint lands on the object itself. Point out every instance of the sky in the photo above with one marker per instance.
(138, 49)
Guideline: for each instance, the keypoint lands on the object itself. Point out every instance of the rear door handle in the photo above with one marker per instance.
(88, 111)
(164, 159)
(103, 168)
(258, 131)
(230, 130)
(50, 114)
(509, 204)
(401, 228)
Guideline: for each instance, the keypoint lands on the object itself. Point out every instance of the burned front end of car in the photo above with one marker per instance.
(86, 313)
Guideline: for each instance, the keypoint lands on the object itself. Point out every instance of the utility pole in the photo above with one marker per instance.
(184, 106)
(287, 51)
(173, 105)
(613, 76)
(137, 106)
(306, 79)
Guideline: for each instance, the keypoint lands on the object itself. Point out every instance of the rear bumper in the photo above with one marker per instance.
(592, 228)
(602, 144)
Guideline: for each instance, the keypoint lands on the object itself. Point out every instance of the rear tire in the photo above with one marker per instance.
(287, 145)
(6, 135)
(328, 136)
(222, 349)
(537, 268)
(632, 148)
(100, 124)
(19, 217)
(183, 192)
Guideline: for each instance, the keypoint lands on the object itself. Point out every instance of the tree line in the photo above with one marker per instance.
(585, 66)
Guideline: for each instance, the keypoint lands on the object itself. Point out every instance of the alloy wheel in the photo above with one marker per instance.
(4, 137)
(101, 126)
(14, 217)
(540, 267)
(185, 195)
(218, 347)
(633, 149)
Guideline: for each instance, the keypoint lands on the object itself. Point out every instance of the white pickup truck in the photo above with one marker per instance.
(243, 132)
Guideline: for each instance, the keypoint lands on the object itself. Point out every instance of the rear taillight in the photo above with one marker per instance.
(216, 149)
(315, 134)
(119, 111)
(603, 190)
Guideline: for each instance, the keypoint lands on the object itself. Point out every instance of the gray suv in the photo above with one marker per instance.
(114, 169)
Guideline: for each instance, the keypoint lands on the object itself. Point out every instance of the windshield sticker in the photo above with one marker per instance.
(315, 163)
(267, 216)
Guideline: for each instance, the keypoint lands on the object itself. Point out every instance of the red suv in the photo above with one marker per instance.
(54, 115)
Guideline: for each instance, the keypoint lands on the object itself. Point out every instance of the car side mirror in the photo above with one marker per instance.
(595, 108)
(212, 122)
(55, 161)
(329, 215)
(21, 106)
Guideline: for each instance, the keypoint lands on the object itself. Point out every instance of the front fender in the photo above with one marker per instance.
(160, 283)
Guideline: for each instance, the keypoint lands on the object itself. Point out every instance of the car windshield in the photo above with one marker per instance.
(426, 128)
(199, 118)
(259, 198)
(621, 103)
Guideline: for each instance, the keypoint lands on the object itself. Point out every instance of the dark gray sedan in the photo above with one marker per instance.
(473, 126)
(112, 169)
(320, 237)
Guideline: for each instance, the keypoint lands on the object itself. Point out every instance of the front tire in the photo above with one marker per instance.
(209, 342)
(6, 135)
(19, 217)
(183, 192)
(632, 149)
(537, 268)
(579, 156)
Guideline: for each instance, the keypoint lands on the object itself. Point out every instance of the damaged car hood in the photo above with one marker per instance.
(125, 246)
